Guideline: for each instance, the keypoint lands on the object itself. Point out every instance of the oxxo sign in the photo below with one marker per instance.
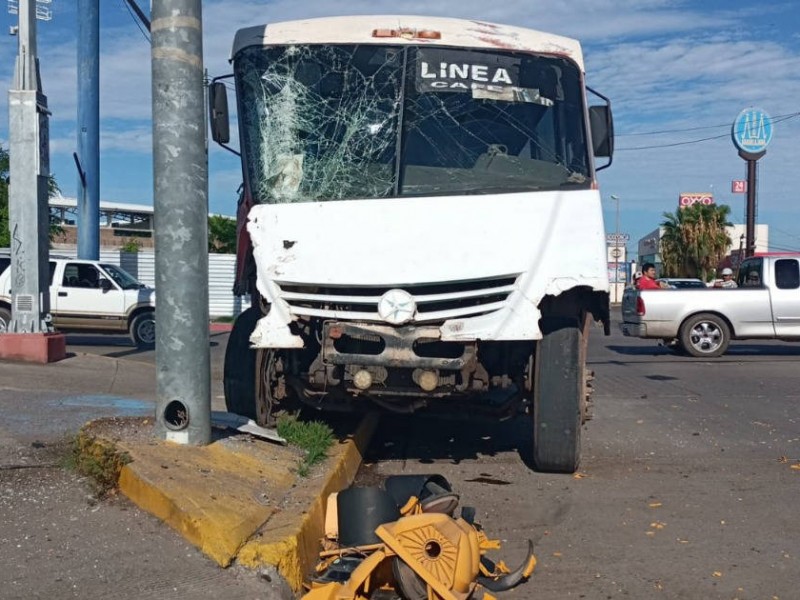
(689, 198)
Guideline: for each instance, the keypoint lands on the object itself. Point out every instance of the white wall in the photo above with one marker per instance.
(221, 272)
(737, 230)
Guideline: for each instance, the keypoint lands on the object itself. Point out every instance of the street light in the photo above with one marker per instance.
(615, 198)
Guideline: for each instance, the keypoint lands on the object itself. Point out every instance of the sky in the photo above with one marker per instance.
(678, 72)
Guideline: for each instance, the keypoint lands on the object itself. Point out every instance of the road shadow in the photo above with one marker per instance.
(763, 350)
(735, 349)
(653, 350)
(126, 345)
(428, 439)
(82, 339)
(133, 351)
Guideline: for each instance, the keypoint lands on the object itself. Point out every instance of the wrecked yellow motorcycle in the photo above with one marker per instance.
(404, 543)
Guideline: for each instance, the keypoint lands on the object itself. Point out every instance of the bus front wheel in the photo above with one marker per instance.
(559, 389)
(239, 376)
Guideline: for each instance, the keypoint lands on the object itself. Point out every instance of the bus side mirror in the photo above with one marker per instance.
(218, 112)
(602, 127)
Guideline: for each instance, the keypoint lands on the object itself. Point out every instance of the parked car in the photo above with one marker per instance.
(679, 283)
(90, 296)
(766, 305)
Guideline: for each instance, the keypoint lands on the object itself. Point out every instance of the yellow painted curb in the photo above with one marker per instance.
(210, 494)
(236, 498)
(290, 540)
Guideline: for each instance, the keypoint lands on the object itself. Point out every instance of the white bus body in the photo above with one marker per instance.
(422, 213)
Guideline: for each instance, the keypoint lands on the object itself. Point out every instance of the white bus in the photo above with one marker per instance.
(420, 225)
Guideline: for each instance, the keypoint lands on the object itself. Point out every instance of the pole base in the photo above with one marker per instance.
(33, 347)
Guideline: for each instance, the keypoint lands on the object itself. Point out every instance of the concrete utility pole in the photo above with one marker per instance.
(180, 165)
(88, 155)
(750, 216)
(29, 166)
(616, 250)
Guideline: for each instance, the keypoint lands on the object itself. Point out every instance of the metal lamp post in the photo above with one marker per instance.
(615, 198)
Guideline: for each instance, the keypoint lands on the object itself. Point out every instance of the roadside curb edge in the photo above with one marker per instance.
(287, 540)
(292, 546)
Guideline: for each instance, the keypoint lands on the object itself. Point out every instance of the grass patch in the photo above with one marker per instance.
(98, 460)
(223, 319)
(314, 437)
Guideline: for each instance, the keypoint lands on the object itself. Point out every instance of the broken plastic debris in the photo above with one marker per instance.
(245, 425)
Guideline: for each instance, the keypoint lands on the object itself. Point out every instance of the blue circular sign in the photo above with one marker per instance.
(752, 130)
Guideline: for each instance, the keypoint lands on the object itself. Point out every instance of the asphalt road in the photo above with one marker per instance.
(56, 539)
(686, 489)
(121, 347)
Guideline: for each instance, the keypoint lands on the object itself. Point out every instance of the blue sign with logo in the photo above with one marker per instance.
(752, 130)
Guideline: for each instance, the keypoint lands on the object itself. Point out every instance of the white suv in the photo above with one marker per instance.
(90, 296)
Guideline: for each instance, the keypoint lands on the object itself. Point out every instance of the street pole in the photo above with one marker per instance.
(88, 156)
(616, 251)
(750, 217)
(751, 133)
(29, 167)
(180, 170)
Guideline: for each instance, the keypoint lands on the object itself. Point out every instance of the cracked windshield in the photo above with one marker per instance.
(347, 122)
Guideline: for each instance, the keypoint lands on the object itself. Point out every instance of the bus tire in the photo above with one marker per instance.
(558, 396)
(239, 374)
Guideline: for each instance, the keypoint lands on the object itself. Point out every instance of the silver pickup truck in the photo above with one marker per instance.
(703, 321)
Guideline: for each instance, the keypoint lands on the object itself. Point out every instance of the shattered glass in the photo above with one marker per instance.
(340, 122)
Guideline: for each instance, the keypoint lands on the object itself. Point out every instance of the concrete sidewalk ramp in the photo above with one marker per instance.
(239, 498)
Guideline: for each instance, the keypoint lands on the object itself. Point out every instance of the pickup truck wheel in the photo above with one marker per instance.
(5, 319)
(705, 336)
(143, 330)
(239, 375)
(558, 396)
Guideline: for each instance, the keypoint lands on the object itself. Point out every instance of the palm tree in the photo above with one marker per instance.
(671, 250)
(694, 240)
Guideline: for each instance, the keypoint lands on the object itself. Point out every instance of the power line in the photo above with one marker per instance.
(697, 141)
(715, 137)
(784, 232)
(727, 125)
(783, 249)
(136, 20)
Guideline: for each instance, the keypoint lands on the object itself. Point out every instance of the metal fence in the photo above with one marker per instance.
(221, 271)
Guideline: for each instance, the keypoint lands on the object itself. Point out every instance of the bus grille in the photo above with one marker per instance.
(435, 302)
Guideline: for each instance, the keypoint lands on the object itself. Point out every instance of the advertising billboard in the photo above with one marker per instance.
(689, 198)
(621, 272)
(616, 253)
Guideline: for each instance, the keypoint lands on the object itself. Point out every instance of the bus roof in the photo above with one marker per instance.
(405, 30)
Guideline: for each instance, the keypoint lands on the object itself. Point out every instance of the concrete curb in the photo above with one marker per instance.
(210, 494)
(291, 541)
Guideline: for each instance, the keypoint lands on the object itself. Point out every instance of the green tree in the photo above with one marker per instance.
(5, 223)
(221, 234)
(131, 245)
(695, 240)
